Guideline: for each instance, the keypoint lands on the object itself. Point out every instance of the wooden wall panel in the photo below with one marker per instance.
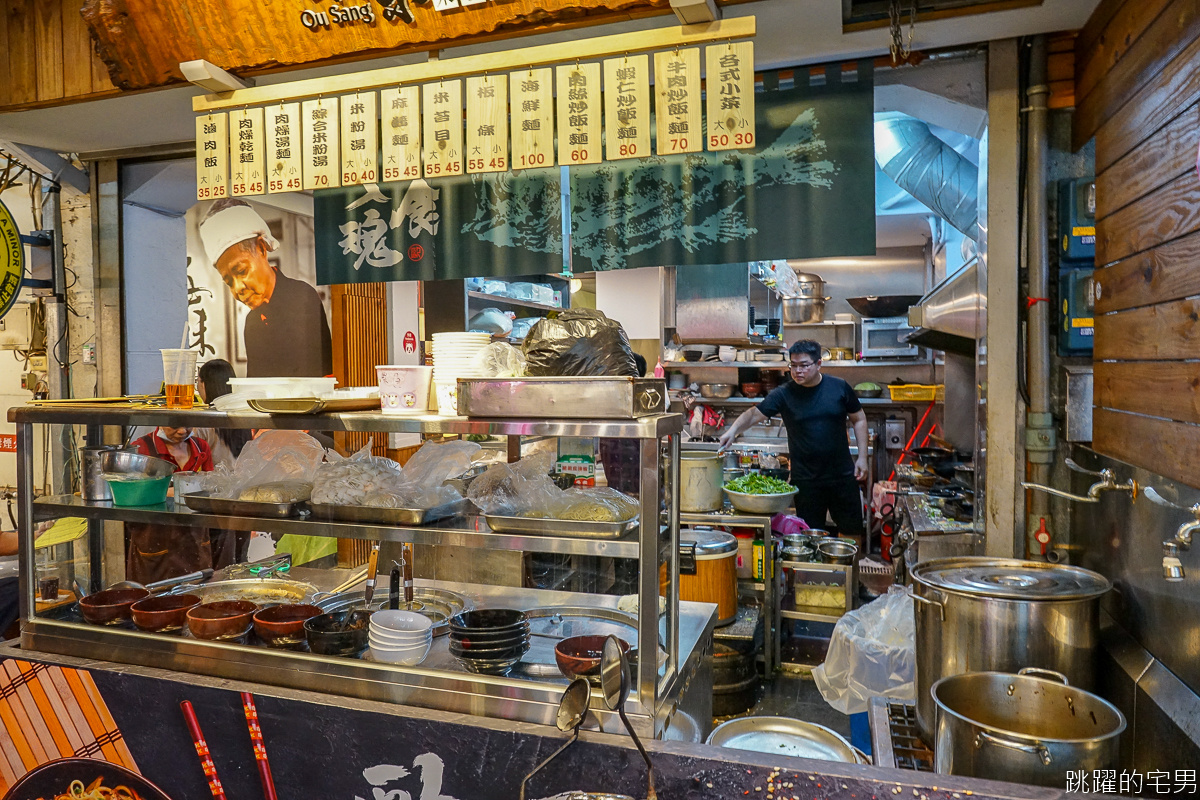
(48, 45)
(1060, 70)
(5, 85)
(1162, 446)
(22, 58)
(1155, 388)
(1167, 154)
(1167, 213)
(1164, 331)
(77, 51)
(1166, 272)
(1102, 51)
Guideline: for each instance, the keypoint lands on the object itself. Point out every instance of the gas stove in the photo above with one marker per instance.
(894, 738)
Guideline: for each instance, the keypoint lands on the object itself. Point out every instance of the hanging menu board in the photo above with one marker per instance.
(730, 93)
(626, 107)
(442, 118)
(360, 139)
(247, 163)
(212, 155)
(487, 124)
(579, 114)
(400, 154)
(283, 148)
(319, 143)
(677, 102)
(532, 118)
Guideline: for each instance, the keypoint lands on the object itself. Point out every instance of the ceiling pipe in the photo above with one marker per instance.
(930, 170)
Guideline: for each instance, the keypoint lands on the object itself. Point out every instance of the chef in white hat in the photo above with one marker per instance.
(286, 333)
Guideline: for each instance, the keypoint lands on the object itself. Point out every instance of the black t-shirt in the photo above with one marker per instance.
(288, 336)
(815, 419)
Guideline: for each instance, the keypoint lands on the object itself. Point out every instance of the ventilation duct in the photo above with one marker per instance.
(930, 170)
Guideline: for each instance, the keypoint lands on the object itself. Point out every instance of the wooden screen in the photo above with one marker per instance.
(1137, 85)
(47, 55)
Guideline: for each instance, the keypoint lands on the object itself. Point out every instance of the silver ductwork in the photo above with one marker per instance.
(930, 170)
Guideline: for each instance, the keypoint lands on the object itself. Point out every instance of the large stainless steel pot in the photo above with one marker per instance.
(811, 285)
(801, 310)
(701, 477)
(1023, 728)
(999, 615)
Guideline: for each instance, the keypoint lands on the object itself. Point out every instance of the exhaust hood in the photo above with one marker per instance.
(948, 317)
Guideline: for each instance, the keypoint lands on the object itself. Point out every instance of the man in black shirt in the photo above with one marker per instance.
(814, 409)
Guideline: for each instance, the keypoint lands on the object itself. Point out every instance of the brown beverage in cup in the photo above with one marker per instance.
(179, 376)
(180, 396)
(48, 588)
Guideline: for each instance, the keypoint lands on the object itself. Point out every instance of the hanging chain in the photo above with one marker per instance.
(899, 49)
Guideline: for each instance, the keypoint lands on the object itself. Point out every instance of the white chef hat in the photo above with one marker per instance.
(229, 222)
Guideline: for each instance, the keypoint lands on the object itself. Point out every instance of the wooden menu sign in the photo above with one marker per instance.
(730, 71)
(212, 155)
(283, 148)
(626, 107)
(247, 163)
(142, 42)
(532, 118)
(677, 101)
(579, 114)
(319, 150)
(400, 154)
(360, 139)
(442, 118)
(487, 124)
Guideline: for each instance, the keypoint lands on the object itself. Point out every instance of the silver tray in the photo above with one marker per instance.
(438, 604)
(205, 503)
(264, 591)
(782, 736)
(389, 516)
(539, 526)
(574, 397)
(313, 405)
(556, 624)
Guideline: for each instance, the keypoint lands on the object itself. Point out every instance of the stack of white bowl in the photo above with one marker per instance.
(454, 358)
(400, 637)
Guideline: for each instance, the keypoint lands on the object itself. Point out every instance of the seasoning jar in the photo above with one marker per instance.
(759, 560)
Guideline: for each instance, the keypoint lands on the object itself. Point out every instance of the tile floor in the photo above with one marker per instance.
(790, 695)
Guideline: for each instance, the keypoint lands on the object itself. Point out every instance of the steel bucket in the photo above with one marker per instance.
(94, 486)
(701, 476)
(802, 310)
(1023, 728)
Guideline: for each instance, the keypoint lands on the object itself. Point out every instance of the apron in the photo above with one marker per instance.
(158, 552)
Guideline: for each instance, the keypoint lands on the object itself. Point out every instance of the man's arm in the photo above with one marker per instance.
(752, 416)
(859, 420)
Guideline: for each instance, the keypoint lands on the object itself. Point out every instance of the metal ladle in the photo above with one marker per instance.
(614, 684)
(158, 586)
(572, 710)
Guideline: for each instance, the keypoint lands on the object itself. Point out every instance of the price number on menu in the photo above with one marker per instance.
(533, 159)
(248, 188)
(410, 172)
(578, 156)
(739, 139)
(353, 176)
(291, 184)
(449, 168)
(480, 164)
(205, 192)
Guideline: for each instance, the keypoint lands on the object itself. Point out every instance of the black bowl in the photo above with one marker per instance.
(490, 654)
(341, 633)
(487, 643)
(491, 634)
(487, 619)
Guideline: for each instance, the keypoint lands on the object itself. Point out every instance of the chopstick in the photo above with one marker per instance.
(206, 762)
(260, 748)
(354, 580)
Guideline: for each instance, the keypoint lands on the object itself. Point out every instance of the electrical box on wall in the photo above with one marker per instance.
(893, 434)
(1076, 312)
(16, 327)
(1077, 221)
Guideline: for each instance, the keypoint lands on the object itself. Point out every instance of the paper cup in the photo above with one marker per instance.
(403, 389)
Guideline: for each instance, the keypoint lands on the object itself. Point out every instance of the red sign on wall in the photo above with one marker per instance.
(8, 443)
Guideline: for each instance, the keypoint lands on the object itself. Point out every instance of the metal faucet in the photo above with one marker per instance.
(1107, 483)
(1172, 567)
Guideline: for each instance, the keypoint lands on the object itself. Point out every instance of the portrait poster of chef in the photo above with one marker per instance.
(252, 294)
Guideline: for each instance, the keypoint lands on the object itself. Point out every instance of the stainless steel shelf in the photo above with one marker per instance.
(465, 531)
(650, 427)
(509, 301)
(781, 365)
(829, 323)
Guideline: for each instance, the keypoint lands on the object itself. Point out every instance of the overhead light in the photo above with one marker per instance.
(695, 12)
(208, 75)
(576, 285)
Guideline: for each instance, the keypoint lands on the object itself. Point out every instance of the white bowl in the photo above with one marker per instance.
(385, 643)
(399, 621)
(387, 647)
(397, 637)
(408, 657)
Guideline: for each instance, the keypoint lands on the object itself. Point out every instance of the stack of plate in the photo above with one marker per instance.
(454, 358)
(490, 640)
(400, 637)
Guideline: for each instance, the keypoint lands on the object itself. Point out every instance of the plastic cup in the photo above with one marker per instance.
(179, 375)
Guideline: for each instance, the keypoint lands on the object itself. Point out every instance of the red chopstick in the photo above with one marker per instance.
(260, 749)
(206, 762)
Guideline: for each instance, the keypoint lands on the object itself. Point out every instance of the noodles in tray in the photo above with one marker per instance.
(96, 791)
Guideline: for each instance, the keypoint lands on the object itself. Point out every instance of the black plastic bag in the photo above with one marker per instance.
(581, 341)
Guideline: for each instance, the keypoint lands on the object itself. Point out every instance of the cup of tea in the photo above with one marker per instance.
(48, 587)
(179, 376)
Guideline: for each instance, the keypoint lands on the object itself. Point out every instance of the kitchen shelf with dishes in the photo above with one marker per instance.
(525, 690)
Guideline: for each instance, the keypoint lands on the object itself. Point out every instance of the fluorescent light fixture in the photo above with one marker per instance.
(576, 285)
(209, 76)
(695, 12)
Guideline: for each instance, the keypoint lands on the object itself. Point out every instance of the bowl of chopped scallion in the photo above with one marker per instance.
(759, 494)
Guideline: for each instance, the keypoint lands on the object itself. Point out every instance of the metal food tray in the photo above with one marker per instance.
(573, 397)
(313, 405)
(264, 591)
(541, 526)
(376, 515)
(438, 604)
(205, 503)
(556, 624)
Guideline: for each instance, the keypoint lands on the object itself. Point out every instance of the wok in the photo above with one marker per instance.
(884, 305)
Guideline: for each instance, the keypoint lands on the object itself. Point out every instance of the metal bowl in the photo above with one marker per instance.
(836, 551)
(717, 391)
(888, 305)
(803, 310)
(782, 736)
(126, 462)
(760, 503)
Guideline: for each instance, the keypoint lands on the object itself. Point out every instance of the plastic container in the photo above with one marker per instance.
(404, 389)
(915, 392)
(282, 387)
(179, 377)
(447, 398)
(138, 492)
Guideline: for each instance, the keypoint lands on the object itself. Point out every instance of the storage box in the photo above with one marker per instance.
(916, 392)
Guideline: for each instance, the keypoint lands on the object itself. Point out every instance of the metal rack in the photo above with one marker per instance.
(683, 633)
(789, 609)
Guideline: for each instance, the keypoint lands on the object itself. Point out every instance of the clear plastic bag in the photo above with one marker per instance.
(872, 653)
(500, 360)
(273, 457)
(361, 479)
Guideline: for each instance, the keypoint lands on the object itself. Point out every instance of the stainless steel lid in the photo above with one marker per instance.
(782, 736)
(709, 543)
(1010, 579)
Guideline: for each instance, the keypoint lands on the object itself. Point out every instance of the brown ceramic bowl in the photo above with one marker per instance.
(750, 389)
(110, 606)
(224, 619)
(579, 656)
(163, 613)
(283, 625)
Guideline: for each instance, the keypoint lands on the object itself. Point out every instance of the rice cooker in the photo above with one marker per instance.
(708, 570)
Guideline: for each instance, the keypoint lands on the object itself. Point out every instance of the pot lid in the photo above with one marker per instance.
(809, 277)
(782, 736)
(709, 543)
(1010, 579)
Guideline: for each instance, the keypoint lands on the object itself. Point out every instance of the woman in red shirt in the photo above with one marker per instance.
(156, 552)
